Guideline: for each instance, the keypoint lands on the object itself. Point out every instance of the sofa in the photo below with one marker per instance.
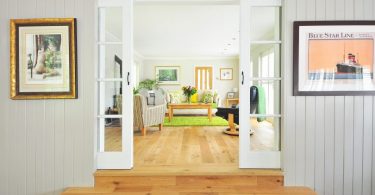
(202, 96)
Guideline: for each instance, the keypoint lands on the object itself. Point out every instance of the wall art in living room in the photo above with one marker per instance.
(226, 73)
(43, 58)
(167, 75)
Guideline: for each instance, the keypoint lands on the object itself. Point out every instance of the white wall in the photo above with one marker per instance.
(329, 142)
(188, 72)
(46, 145)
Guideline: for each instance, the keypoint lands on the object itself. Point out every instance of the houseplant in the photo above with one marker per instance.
(188, 92)
(148, 84)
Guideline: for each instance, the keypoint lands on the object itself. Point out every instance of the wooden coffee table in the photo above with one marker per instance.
(189, 106)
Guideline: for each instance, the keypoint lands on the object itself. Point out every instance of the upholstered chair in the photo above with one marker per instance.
(148, 115)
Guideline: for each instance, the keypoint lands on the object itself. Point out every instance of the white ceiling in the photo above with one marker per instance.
(190, 30)
(186, 30)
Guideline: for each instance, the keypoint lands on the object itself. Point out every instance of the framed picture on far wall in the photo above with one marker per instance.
(226, 73)
(167, 75)
(43, 58)
(334, 58)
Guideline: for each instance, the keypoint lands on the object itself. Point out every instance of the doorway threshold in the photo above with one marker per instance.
(190, 169)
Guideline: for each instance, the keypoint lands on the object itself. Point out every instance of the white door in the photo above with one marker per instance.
(260, 44)
(114, 138)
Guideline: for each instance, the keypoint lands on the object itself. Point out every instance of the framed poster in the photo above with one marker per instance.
(43, 58)
(167, 75)
(333, 58)
(226, 73)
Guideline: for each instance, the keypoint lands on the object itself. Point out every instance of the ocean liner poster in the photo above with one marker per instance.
(334, 58)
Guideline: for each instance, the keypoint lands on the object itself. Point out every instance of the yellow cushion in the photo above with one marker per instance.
(194, 98)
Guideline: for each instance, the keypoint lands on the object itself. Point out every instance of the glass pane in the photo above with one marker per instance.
(110, 98)
(265, 134)
(265, 97)
(110, 60)
(110, 134)
(110, 24)
(265, 60)
(265, 23)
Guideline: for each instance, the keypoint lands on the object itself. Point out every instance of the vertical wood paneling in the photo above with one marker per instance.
(358, 145)
(4, 103)
(88, 91)
(57, 9)
(340, 9)
(368, 7)
(17, 152)
(359, 9)
(70, 120)
(300, 117)
(310, 119)
(319, 145)
(310, 142)
(300, 143)
(320, 9)
(349, 145)
(47, 144)
(289, 131)
(338, 185)
(338, 130)
(349, 9)
(367, 144)
(329, 144)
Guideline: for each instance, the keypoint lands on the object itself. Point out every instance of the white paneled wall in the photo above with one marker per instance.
(47, 145)
(329, 144)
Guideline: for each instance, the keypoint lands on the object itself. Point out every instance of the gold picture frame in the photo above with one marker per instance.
(43, 58)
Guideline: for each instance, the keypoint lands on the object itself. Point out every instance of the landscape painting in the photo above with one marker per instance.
(167, 74)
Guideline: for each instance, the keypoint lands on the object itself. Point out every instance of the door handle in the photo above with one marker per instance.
(242, 78)
(128, 78)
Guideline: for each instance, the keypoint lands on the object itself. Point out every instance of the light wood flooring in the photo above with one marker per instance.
(193, 145)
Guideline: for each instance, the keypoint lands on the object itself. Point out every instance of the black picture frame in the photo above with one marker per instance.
(325, 33)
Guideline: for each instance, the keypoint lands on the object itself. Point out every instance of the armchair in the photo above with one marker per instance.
(146, 116)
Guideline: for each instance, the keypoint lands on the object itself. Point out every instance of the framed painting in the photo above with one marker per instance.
(333, 58)
(167, 75)
(43, 58)
(226, 73)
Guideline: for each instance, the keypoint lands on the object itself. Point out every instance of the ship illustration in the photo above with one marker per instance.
(349, 66)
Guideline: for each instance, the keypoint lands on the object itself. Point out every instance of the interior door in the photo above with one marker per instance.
(114, 43)
(260, 84)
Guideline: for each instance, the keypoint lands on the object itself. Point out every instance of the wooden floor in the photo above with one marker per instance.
(190, 145)
(185, 145)
(189, 161)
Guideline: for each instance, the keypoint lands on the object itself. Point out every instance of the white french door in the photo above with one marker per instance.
(114, 49)
(260, 69)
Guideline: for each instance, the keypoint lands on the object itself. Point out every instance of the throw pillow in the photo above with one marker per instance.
(175, 98)
(194, 98)
(207, 98)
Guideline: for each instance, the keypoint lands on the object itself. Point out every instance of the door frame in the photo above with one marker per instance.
(106, 158)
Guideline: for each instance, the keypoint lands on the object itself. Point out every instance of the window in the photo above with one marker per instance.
(203, 77)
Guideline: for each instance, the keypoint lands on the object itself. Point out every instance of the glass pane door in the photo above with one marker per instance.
(260, 84)
(114, 89)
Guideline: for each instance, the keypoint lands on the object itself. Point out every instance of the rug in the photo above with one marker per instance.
(194, 121)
